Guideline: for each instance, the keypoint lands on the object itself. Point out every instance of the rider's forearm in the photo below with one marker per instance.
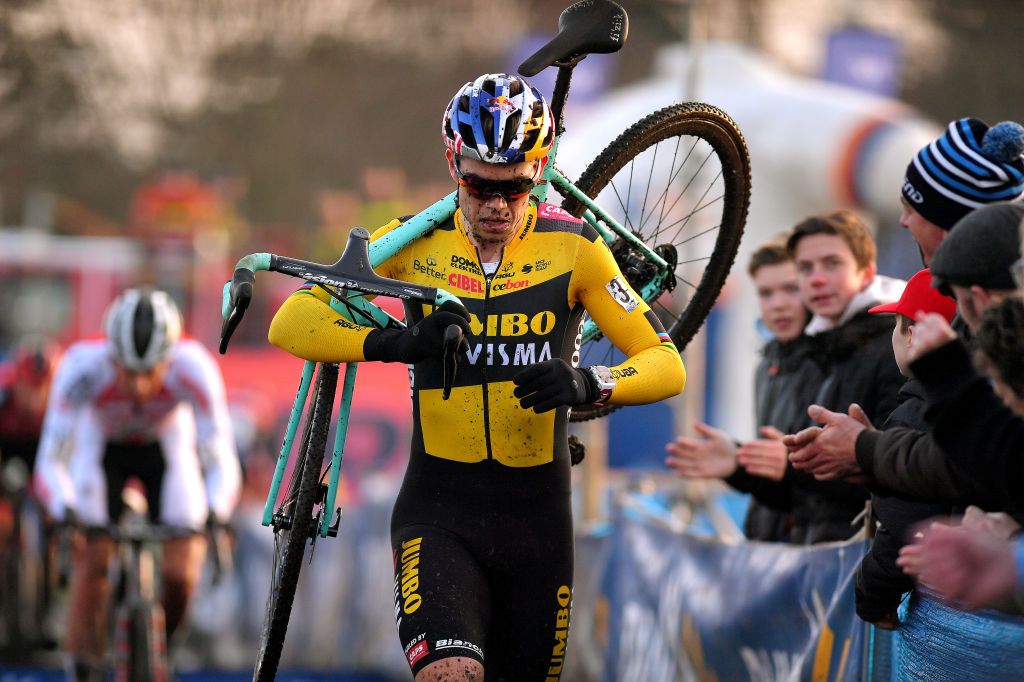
(223, 478)
(308, 328)
(651, 375)
(53, 483)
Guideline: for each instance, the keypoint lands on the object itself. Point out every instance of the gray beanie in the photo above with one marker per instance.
(980, 249)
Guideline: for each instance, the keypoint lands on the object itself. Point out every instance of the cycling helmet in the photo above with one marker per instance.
(142, 326)
(498, 118)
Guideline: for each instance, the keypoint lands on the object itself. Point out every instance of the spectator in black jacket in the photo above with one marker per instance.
(974, 260)
(835, 259)
(784, 382)
(981, 435)
(969, 563)
(880, 583)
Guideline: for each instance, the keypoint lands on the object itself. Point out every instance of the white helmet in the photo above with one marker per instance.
(142, 326)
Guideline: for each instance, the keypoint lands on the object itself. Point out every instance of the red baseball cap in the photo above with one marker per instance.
(919, 296)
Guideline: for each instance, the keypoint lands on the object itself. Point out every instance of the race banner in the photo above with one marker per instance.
(688, 608)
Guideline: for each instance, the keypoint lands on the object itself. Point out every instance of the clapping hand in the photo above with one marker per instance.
(713, 455)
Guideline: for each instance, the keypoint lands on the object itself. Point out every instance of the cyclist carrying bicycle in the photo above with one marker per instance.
(482, 527)
(140, 403)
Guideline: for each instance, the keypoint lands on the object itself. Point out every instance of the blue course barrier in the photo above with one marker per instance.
(684, 607)
(938, 642)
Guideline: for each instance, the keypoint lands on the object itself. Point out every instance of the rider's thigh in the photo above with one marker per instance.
(455, 669)
(442, 599)
(92, 555)
(183, 559)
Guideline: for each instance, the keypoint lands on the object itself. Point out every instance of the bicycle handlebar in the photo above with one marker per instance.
(352, 271)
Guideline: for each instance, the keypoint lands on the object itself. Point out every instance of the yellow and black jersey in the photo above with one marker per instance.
(530, 309)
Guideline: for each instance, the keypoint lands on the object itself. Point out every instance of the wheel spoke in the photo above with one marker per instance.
(691, 166)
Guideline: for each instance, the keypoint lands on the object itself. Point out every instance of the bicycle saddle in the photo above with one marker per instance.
(587, 27)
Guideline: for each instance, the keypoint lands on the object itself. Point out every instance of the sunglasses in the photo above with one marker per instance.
(485, 188)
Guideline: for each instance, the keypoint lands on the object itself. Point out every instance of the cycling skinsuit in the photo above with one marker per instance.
(482, 527)
(94, 437)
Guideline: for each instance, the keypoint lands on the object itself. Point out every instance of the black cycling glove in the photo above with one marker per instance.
(419, 342)
(553, 383)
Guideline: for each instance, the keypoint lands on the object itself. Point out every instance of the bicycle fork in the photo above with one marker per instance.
(140, 644)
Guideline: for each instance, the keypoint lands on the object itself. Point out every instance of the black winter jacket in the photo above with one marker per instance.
(784, 383)
(880, 583)
(862, 370)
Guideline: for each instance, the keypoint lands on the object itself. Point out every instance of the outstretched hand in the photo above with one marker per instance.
(964, 565)
(713, 455)
(828, 452)
(766, 456)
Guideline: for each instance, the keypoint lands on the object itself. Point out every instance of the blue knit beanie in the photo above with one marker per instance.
(969, 166)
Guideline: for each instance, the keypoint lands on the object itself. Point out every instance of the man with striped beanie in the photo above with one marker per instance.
(968, 166)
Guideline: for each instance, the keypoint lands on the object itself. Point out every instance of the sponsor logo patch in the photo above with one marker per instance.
(501, 103)
(429, 269)
(462, 263)
(458, 644)
(552, 211)
(418, 652)
(466, 283)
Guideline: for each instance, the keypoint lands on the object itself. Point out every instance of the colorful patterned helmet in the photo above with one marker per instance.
(498, 118)
(142, 326)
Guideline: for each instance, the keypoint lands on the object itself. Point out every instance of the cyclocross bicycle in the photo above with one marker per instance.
(670, 198)
(139, 642)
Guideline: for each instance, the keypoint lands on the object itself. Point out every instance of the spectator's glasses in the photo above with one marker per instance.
(1017, 272)
(485, 188)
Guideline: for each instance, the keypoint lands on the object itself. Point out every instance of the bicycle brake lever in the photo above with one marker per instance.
(239, 295)
(453, 341)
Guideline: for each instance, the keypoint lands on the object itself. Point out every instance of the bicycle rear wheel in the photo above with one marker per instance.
(679, 180)
(290, 540)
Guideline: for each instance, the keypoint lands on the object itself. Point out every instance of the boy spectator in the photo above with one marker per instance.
(880, 583)
(965, 418)
(835, 259)
(784, 381)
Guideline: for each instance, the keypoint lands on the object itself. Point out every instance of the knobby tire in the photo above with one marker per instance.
(702, 137)
(290, 544)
